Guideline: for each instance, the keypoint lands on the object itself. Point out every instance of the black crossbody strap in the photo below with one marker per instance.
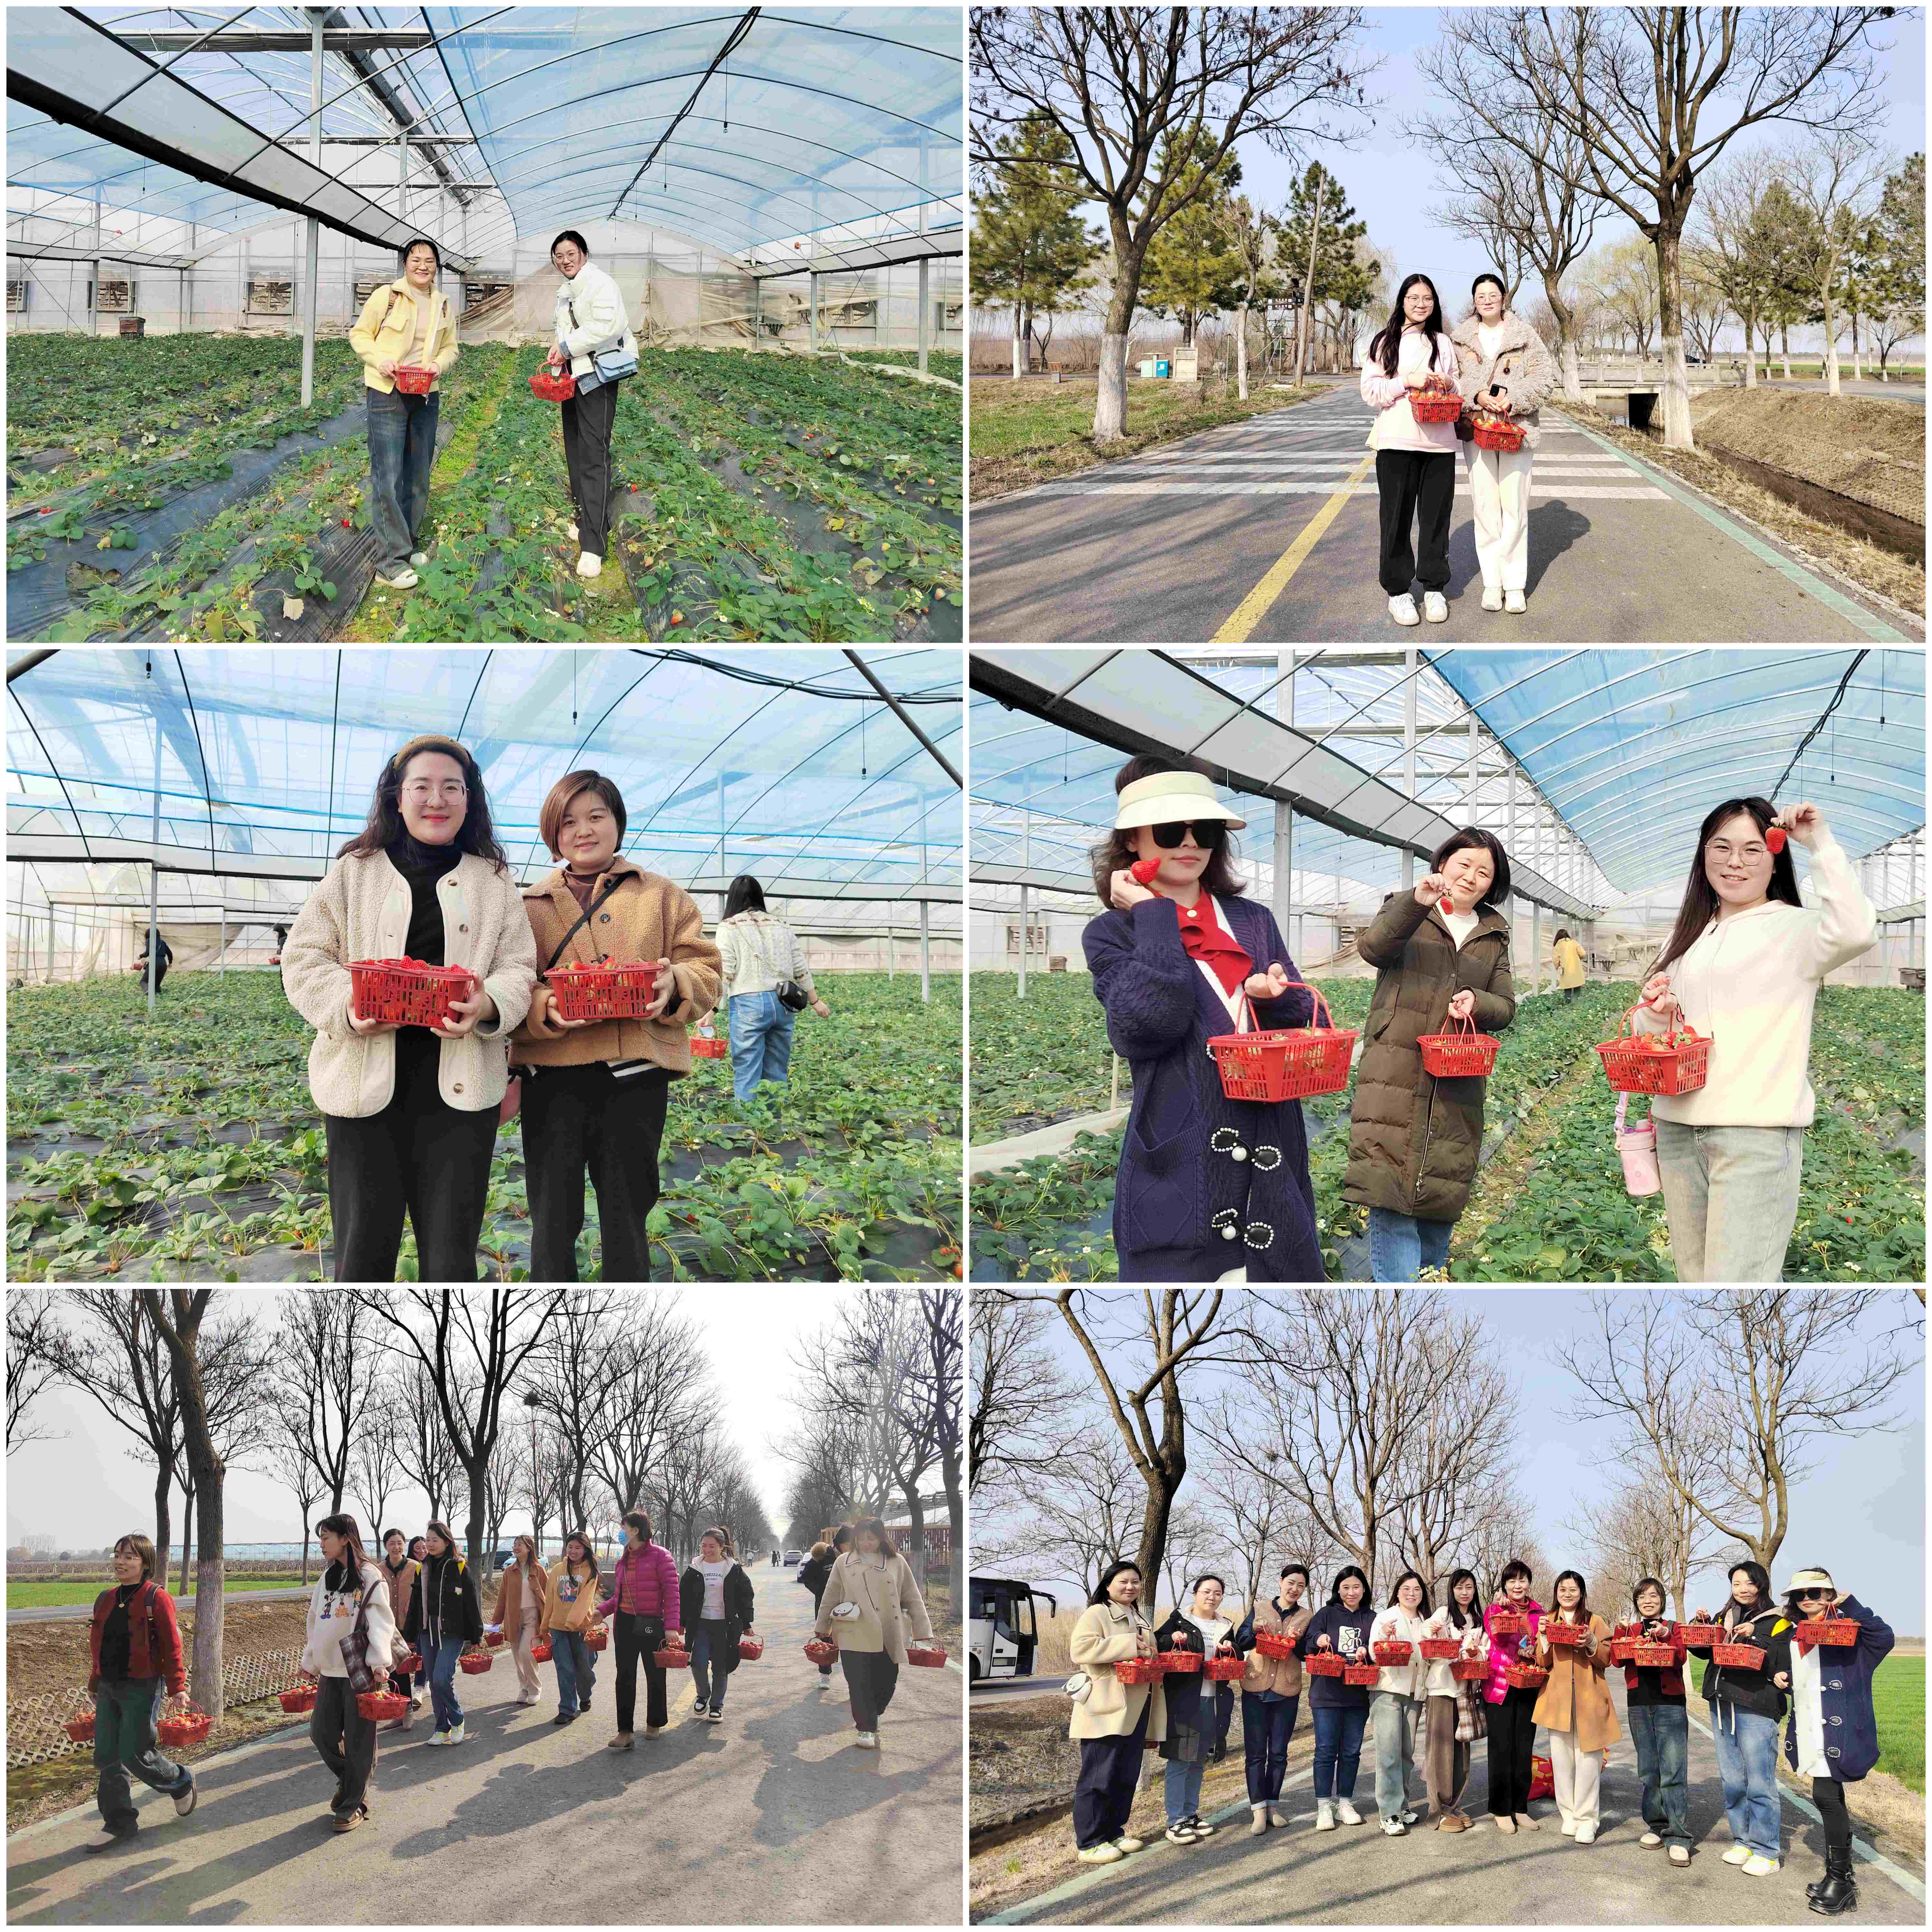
(583, 919)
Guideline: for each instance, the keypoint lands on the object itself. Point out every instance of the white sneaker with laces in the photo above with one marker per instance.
(1128, 1842)
(1436, 607)
(1758, 1866)
(869, 1740)
(1180, 1833)
(1492, 600)
(1324, 1815)
(1514, 603)
(1201, 1827)
(1393, 1827)
(1403, 610)
(455, 1737)
(404, 579)
(590, 564)
(1101, 1855)
(1586, 1835)
(1737, 1855)
(1344, 1808)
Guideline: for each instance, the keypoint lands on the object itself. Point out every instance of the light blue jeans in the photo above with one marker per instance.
(761, 1027)
(443, 1698)
(1748, 1767)
(1400, 1246)
(1730, 1194)
(1183, 1788)
(1395, 1717)
(576, 1671)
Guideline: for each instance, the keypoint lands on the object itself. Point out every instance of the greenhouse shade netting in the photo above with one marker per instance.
(787, 764)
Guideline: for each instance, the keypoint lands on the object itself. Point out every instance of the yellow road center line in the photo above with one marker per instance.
(1240, 627)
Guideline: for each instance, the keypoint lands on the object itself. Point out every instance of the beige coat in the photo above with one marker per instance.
(889, 1598)
(1281, 1675)
(1521, 365)
(386, 329)
(1576, 1698)
(510, 1595)
(361, 910)
(1105, 1634)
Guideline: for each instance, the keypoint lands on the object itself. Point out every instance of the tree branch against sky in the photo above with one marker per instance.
(33, 1334)
(1021, 1395)
(1115, 79)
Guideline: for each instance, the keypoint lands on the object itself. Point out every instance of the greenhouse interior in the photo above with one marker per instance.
(204, 793)
(211, 196)
(1594, 768)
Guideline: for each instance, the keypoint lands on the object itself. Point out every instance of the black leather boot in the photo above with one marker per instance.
(1838, 1893)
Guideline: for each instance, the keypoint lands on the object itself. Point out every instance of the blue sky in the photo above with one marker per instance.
(1860, 1513)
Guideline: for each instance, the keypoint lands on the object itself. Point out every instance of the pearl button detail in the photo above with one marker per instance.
(1241, 1154)
(1227, 1233)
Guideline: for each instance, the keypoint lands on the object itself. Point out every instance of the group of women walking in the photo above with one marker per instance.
(1433, 1678)
(1214, 1188)
(412, 1111)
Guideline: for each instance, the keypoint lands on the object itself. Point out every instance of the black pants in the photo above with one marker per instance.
(419, 1156)
(587, 423)
(1110, 1768)
(871, 1678)
(1828, 1795)
(1512, 1745)
(1419, 490)
(579, 1119)
(346, 1740)
(403, 1682)
(639, 1637)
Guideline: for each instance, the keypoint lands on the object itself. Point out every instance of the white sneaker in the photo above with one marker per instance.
(1181, 1833)
(1492, 600)
(1513, 602)
(1200, 1826)
(1650, 1841)
(1393, 1827)
(1737, 1855)
(435, 1738)
(404, 579)
(1410, 1816)
(1586, 1835)
(418, 556)
(869, 1740)
(590, 564)
(1570, 1828)
(1127, 1842)
(455, 1737)
(1403, 610)
(1436, 607)
(1345, 1809)
(570, 531)
(1324, 1815)
(1758, 1866)
(1101, 1855)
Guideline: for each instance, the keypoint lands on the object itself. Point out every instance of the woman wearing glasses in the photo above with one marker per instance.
(1209, 1188)
(411, 1110)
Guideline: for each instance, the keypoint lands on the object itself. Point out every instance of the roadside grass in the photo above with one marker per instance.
(1898, 1702)
(1031, 432)
(39, 1596)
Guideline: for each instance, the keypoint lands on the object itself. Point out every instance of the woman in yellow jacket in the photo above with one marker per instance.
(409, 323)
(1569, 965)
(1114, 1722)
(1574, 1708)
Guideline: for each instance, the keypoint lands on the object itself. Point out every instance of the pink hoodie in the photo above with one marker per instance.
(644, 1584)
(1503, 1649)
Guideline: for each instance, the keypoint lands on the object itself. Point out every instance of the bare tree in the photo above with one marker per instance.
(1151, 100)
(375, 1466)
(289, 1462)
(1646, 1530)
(1078, 1524)
(1506, 1533)
(654, 1376)
(424, 1450)
(1021, 1395)
(1456, 1464)
(1836, 177)
(570, 1376)
(33, 1362)
(329, 1358)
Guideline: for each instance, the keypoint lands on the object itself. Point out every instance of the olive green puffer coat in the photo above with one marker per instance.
(1413, 1139)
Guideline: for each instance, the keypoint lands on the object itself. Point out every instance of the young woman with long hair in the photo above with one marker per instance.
(1743, 965)
(1398, 1706)
(643, 1610)
(1271, 1694)
(1193, 1707)
(760, 956)
(411, 1110)
(444, 1615)
(1208, 1188)
(716, 1600)
(521, 1593)
(570, 1608)
(351, 1628)
(135, 1672)
(1415, 462)
(1510, 1718)
(399, 1574)
(1112, 1722)
(1340, 1709)
(1414, 1136)
(1574, 1707)
(872, 1604)
(1659, 1724)
(1455, 1715)
(1747, 1712)
(593, 1092)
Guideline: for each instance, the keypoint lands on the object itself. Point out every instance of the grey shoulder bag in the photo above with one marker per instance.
(610, 363)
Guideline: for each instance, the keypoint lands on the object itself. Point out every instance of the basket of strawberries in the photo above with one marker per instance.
(1227, 1669)
(549, 387)
(1525, 1676)
(415, 382)
(750, 1649)
(1392, 1651)
(1738, 1656)
(1468, 1669)
(1677, 1062)
(926, 1656)
(1652, 1656)
(494, 1638)
(80, 1726)
(1509, 1623)
(1325, 1663)
(408, 992)
(298, 1698)
(1466, 1054)
(1285, 1063)
(191, 1727)
(597, 1637)
(476, 1661)
(1489, 430)
(1361, 1673)
(1139, 1670)
(541, 1651)
(611, 990)
(409, 1664)
(672, 1656)
(1276, 1644)
(822, 1650)
(382, 1705)
(1840, 1631)
(1180, 1663)
(1437, 401)
(1562, 1634)
(1702, 1634)
(1439, 1649)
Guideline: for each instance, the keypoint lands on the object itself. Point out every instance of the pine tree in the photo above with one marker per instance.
(1193, 267)
(1319, 222)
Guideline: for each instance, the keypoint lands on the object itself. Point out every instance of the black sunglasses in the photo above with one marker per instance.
(1208, 833)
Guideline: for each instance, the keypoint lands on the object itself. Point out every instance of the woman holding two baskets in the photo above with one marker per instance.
(1659, 1724)
(1509, 1627)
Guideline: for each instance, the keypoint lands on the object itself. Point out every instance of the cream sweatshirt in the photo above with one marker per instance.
(1395, 427)
(1749, 982)
(757, 951)
(331, 1616)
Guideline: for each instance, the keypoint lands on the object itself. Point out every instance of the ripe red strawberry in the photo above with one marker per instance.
(1144, 870)
(1445, 905)
(1774, 840)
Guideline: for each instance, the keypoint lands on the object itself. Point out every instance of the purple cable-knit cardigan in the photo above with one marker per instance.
(1205, 1183)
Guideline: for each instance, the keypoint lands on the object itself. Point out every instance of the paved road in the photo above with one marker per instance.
(770, 1817)
(1355, 1877)
(1008, 1690)
(1252, 531)
(56, 1613)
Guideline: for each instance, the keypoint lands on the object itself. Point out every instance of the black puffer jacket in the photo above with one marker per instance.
(812, 1573)
(444, 1594)
(1752, 1690)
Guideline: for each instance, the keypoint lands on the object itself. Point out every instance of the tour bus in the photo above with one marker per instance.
(1002, 1637)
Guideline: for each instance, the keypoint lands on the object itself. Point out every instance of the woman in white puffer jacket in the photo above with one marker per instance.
(589, 317)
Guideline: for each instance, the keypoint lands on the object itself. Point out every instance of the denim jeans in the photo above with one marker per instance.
(1183, 1788)
(126, 1711)
(1730, 1194)
(402, 448)
(443, 1698)
(1266, 1725)
(1400, 1246)
(1661, 1733)
(713, 1633)
(1748, 1767)
(576, 1672)
(1396, 1718)
(760, 1025)
(1338, 1748)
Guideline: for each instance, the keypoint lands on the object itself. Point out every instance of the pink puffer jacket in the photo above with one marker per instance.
(1503, 1649)
(645, 1584)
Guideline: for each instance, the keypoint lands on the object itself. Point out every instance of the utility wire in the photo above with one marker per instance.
(1837, 698)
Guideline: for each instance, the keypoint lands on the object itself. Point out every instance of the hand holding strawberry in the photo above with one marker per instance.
(1127, 892)
(1435, 888)
(1803, 822)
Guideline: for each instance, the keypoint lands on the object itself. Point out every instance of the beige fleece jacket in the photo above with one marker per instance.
(888, 1596)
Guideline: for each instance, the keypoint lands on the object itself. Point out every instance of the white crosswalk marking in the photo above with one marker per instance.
(1196, 486)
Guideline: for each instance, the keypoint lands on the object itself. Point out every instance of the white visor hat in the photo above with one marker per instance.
(1168, 798)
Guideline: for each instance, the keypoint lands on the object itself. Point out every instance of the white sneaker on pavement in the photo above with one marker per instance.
(1737, 1855)
(1586, 1835)
(1758, 1866)
(1345, 1809)
(1101, 1855)
(1492, 600)
(1680, 1855)
(1393, 1827)
(1514, 603)
(1650, 1841)
(1324, 1815)
(1436, 607)
(1403, 610)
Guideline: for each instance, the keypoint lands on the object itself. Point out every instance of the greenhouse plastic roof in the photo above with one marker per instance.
(740, 128)
(784, 763)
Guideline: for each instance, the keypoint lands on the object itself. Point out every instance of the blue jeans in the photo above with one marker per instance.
(126, 1711)
(1748, 1767)
(1266, 1725)
(1183, 1788)
(443, 1698)
(761, 1027)
(402, 448)
(707, 1646)
(1397, 1717)
(1661, 1733)
(576, 1672)
(1338, 1748)
(1400, 1246)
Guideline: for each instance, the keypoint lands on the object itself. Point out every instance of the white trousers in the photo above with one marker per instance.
(1499, 497)
(1576, 1773)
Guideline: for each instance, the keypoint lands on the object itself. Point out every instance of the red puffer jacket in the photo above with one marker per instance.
(154, 1644)
(645, 1584)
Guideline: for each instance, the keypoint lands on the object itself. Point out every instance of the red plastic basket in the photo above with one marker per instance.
(382, 1705)
(614, 991)
(191, 1727)
(1439, 1649)
(408, 992)
(415, 381)
(474, 1663)
(708, 1046)
(541, 1651)
(80, 1727)
(1621, 1647)
(1564, 1636)
(1738, 1656)
(1180, 1663)
(1277, 1644)
(301, 1698)
(409, 1664)
(1361, 1673)
(1701, 1636)
(1285, 1062)
(1227, 1669)
(1652, 1656)
(597, 1637)
(1838, 1631)
(1396, 1651)
(822, 1650)
(549, 389)
(1679, 1063)
(926, 1656)
(750, 1649)
(673, 1657)
(1461, 1055)
(1509, 1623)
(1493, 432)
(494, 1640)
(1435, 402)
(1139, 1670)
(1525, 1676)
(1468, 1669)
(1325, 1663)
